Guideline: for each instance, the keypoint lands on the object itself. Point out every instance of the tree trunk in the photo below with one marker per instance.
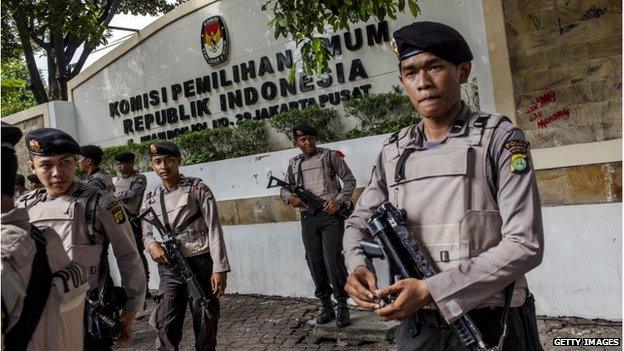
(36, 84)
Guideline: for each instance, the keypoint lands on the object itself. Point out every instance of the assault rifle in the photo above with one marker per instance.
(315, 203)
(103, 313)
(408, 257)
(177, 261)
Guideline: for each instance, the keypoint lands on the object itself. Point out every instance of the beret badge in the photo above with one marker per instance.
(35, 146)
(152, 149)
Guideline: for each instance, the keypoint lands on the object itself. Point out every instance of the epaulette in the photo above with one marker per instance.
(400, 134)
(150, 193)
(186, 181)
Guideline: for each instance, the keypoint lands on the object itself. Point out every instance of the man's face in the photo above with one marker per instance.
(83, 163)
(56, 173)
(167, 167)
(432, 84)
(125, 167)
(306, 143)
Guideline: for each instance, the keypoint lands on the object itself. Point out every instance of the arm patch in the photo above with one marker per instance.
(117, 211)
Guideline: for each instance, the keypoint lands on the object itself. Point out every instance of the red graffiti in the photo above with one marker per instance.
(544, 99)
(564, 114)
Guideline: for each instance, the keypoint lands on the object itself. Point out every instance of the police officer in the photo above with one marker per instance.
(466, 183)
(35, 183)
(42, 291)
(318, 170)
(89, 162)
(87, 220)
(129, 190)
(185, 205)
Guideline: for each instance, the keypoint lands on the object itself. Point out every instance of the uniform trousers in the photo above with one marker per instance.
(322, 239)
(137, 230)
(522, 333)
(168, 317)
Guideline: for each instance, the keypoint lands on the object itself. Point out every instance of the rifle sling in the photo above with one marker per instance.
(184, 225)
(37, 294)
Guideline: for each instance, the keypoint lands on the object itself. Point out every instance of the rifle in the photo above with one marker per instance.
(315, 203)
(406, 254)
(103, 313)
(177, 261)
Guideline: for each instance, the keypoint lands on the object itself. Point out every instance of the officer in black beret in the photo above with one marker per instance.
(96, 221)
(320, 170)
(465, 183)
(187, 206)
(129, 189)
(89, 163)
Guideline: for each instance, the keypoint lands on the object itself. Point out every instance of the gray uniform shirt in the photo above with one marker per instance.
(204, 234)
(60, 326)
(101, 180)
(491, 256)
(319, 174)
(129, 190)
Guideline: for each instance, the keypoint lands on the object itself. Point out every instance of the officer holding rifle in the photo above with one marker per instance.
(466, 184)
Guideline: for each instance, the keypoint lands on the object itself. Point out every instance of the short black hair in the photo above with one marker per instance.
(9, 171)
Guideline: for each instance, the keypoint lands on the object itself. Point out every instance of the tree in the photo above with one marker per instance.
(59, 29)
(305, 21)
(14, 85)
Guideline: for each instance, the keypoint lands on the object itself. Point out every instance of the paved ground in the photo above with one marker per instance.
(255, 322)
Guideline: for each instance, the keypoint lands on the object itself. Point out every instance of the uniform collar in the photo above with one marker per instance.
(17, 217)
(458, 128)
(124, 176)
(182, 181)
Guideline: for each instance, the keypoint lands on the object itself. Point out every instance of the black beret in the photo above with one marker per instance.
(436, 38)
(10, 134)
(124, 157)
(303, 129)
(92, 152)
(50, 141)
(163, 148)
(33, 179)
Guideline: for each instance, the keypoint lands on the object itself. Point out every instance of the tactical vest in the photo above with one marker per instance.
(183, 215)
(73, 217)
(105, 178)
(132, 205)
(319, 176)
(450, 207)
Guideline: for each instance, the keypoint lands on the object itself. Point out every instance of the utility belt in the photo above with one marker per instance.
(433, 319)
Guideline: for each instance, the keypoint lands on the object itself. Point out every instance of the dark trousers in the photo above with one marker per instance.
(322, 239)
(522, 333)
(137, 230)
(97, 345)
(171, 308)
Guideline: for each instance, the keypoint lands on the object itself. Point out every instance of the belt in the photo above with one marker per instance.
(433, 318)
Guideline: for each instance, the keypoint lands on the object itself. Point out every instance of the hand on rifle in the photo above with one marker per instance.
(361, 285)
(126, 319)
(295, 201)
(158, 253)
(411, 295)
(218, 282)
(331, 207)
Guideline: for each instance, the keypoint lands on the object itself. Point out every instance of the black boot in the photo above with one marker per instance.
(327, 314)
(343, 318)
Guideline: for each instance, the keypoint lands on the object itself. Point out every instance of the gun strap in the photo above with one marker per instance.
(399, 172)
(187, 222)
(300, 172)
(37, 294)
(163, 208)
(505, 318)
(103, 277)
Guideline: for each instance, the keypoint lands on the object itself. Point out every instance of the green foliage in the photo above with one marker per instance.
(305, 21)
(381, 113)
(322, 119)
(14, 85)
(247, 138)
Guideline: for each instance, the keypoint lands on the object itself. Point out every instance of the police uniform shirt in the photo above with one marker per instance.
(316, 172)
(101, 180)
(484, 253)
(204, 234)
(60, 326)
(129, 190)
(67, 215)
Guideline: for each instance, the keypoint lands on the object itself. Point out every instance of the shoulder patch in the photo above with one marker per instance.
(117, 211)
(340, 154)
(516, 144)
(518, 163)
(201, 189)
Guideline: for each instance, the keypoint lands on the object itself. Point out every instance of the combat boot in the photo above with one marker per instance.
(343, 319)
(327, 314)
